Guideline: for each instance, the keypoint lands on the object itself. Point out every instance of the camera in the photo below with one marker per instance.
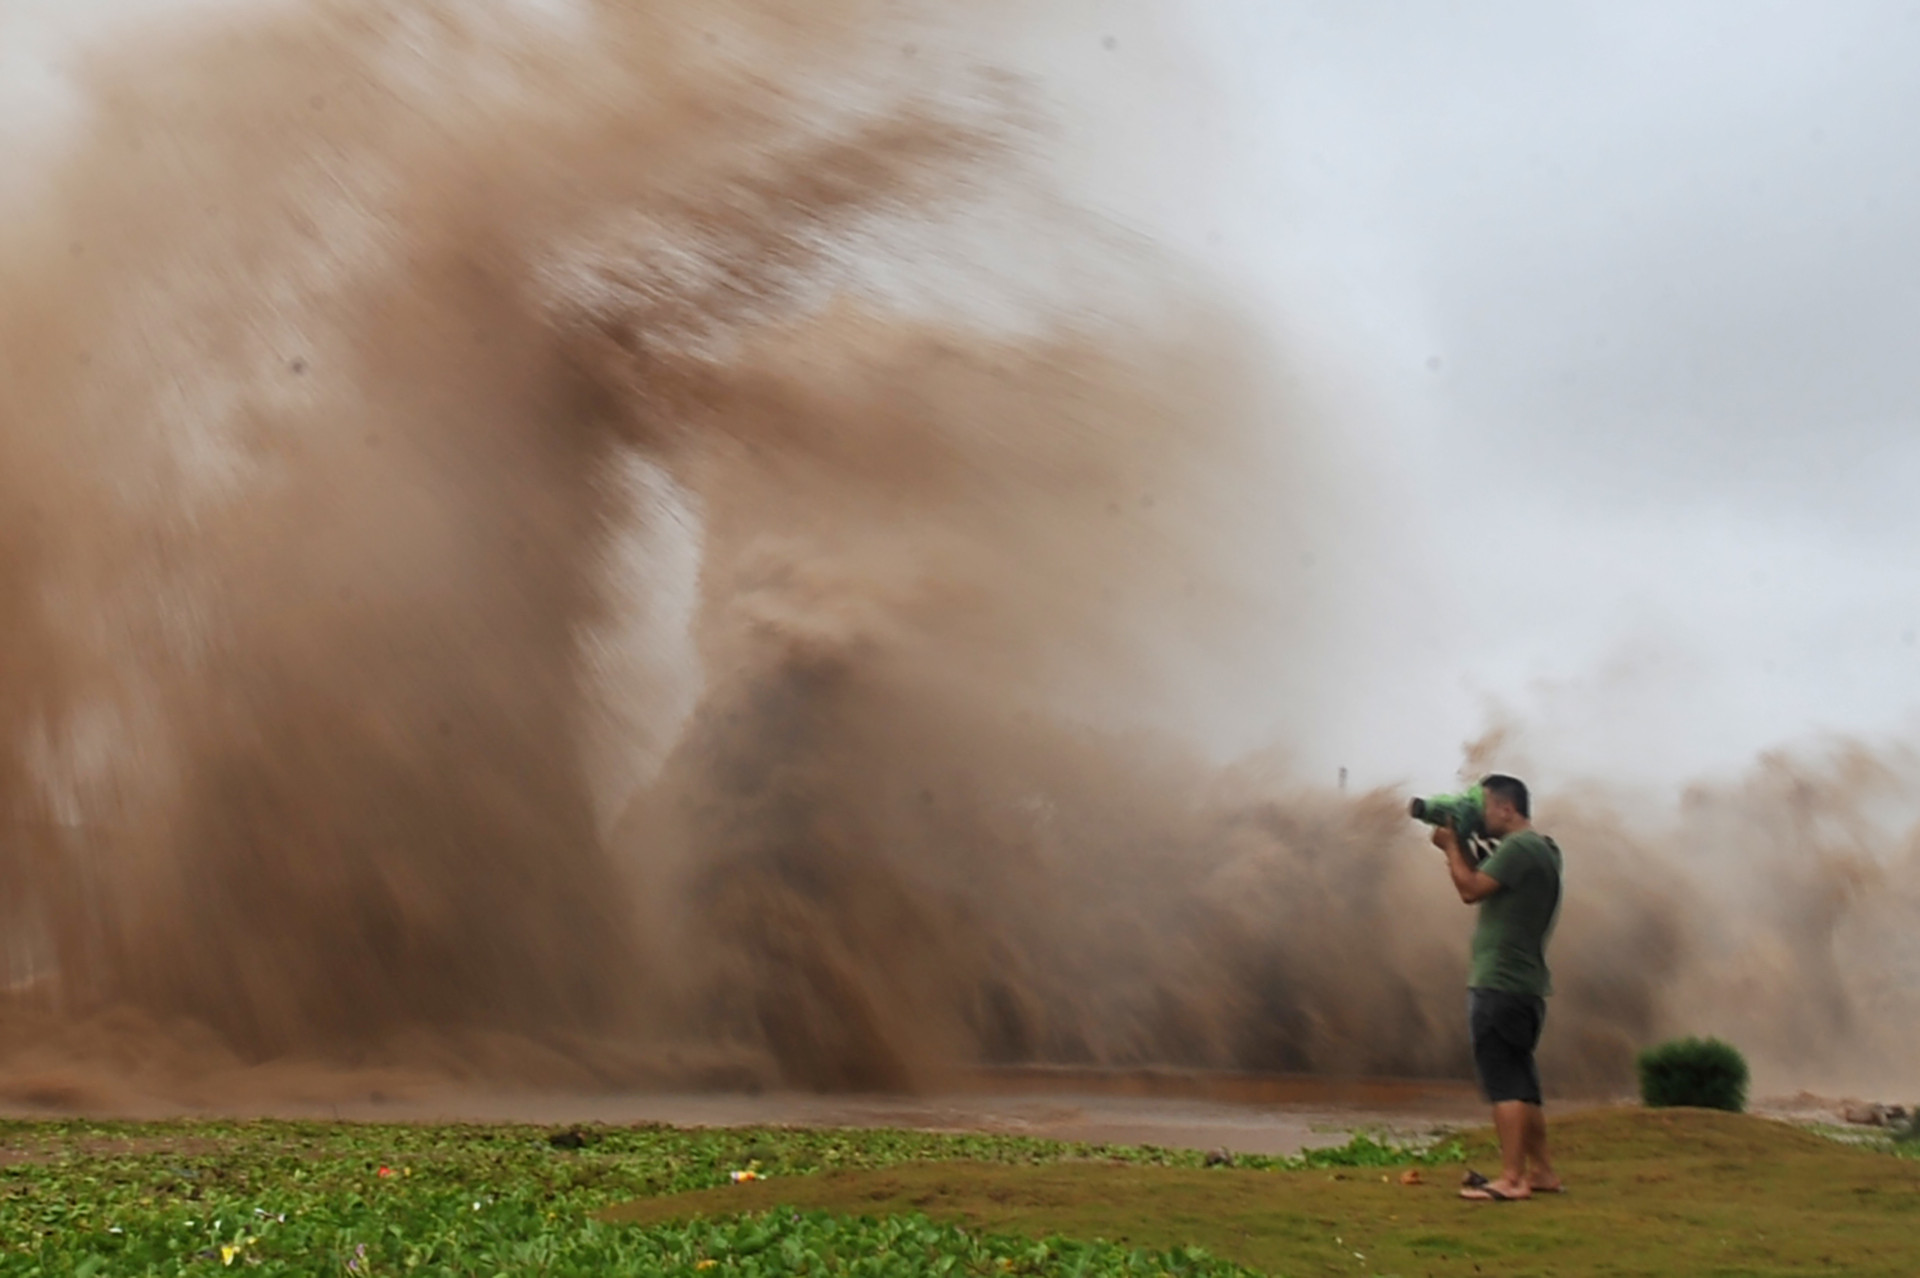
(1465, 814)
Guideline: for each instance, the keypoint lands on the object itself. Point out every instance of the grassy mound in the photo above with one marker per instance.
(1671, 1191)
(1667, 1191)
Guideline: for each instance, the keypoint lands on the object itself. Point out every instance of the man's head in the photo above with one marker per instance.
(1506, 805)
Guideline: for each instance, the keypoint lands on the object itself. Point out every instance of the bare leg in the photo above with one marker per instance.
(1510, 1124)
(1540, 1173)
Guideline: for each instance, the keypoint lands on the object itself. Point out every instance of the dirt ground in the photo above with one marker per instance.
(1243, 1113)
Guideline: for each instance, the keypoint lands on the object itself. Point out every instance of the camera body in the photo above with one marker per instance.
(1465, 814)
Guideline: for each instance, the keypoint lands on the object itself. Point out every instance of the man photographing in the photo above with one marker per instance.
(1517, 888)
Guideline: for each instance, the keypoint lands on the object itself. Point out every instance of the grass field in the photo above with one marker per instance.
(1667, 1192)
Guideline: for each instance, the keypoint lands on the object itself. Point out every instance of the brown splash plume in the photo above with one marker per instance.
(328, 369)
(309, 438)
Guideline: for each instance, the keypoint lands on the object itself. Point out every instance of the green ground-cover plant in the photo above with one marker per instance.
(1702, 1073)
(300, 1198)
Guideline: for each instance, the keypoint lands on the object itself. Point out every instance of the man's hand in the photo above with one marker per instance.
(1473, 885)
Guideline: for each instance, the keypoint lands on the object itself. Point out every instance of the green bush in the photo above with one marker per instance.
(1704, 1073)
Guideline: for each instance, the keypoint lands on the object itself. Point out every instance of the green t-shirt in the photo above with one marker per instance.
(1510, 941)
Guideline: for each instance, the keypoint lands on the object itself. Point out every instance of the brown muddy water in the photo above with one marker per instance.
(660, 567)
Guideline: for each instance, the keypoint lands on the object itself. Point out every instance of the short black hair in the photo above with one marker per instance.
(1512, 789)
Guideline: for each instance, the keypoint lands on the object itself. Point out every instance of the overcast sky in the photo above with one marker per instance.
(1632, 292)
(1623, 297)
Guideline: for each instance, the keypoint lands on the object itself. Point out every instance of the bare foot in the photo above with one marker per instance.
(1546, 1185)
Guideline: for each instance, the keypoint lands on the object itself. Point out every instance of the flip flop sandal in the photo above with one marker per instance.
(1472, 1180)
(1486, 1194)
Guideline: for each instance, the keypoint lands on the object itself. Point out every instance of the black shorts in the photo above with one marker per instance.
(1506, 1028)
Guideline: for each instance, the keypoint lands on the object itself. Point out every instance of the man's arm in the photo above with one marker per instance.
(1474, 886)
